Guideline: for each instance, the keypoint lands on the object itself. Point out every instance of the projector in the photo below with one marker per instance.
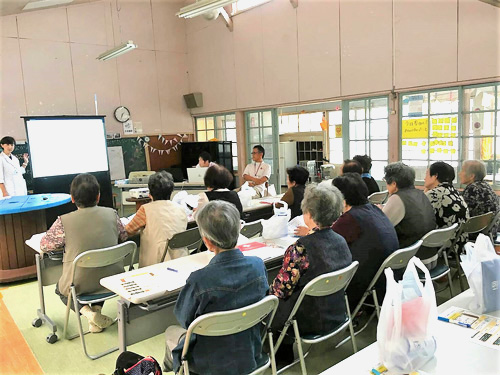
(139, 193)
(141, 177)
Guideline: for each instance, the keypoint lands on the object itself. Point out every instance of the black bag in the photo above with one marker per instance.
(129, 363)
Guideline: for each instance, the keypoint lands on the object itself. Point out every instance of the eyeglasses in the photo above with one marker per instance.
(253, 153)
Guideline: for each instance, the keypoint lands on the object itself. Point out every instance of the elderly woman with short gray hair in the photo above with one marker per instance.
(478, 194)
(230, 281)
(318, 253)
(407, 208)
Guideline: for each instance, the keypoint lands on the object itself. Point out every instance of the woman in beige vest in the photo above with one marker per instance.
(158, 221)
(89, 227)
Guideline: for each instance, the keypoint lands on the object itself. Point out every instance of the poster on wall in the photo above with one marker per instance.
(415, 128)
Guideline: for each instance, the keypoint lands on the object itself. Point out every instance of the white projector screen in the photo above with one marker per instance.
(62, 146)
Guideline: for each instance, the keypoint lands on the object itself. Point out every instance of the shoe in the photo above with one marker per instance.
(93, 328)
(100, 320)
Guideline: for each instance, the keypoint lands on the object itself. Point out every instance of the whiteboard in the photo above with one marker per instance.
(116, 165)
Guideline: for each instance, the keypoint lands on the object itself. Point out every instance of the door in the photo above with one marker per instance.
(262, 129)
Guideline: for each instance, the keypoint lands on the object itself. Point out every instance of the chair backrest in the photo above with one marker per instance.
(222, 323)
(477, 223)
(252, 229)
(104, 257)
(397, 260)
(190, 239)
(326, 284)
(439, 237)
(494, 221)
(379, 197)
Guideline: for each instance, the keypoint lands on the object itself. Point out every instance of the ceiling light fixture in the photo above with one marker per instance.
(45, 4)
(200, 7)
(117, 51)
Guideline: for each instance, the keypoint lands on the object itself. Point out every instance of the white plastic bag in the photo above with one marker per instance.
(407, 319)
(277, 225)
(481, 266)
(246, 194)
(181, 198)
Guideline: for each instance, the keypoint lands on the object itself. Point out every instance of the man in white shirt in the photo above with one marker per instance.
(258, 172)
(204, 160)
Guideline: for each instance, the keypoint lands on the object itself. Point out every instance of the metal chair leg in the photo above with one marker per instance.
(299, 347)
(271, 352)
(351, 328)
(450, 281)
(375, 300)
(66, 320)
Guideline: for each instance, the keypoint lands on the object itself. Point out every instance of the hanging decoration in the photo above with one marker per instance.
(174, 143)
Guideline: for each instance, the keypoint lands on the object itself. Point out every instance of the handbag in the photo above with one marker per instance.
(277, 225)
(481, 265)
(407, 318)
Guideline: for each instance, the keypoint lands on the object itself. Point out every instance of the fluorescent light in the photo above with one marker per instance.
(45, 3)
(117, 51)
(201, 7)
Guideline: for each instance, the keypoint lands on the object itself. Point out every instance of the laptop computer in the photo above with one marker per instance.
(196, 175)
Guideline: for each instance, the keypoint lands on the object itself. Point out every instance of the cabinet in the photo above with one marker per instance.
(288, 158)
(310, 151)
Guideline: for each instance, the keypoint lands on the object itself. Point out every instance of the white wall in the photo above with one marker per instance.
(328, 49)
(48, 65)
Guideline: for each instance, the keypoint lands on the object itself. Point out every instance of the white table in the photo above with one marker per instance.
(142, 315)
(455, 354)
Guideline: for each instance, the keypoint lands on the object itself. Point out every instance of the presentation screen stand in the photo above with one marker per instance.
(62, 147)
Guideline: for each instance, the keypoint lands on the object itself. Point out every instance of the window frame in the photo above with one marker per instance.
(217, 132)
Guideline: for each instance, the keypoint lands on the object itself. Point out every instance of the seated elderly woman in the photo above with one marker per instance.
(407, 208)
(89, 227)
(230, 281)
(449, 206)
(369, 233)
(217, 179)
(296, 178)
(320, 252)
(158, 221)
(478, 195)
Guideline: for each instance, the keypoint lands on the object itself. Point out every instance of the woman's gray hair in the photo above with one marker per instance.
(476, 168)
(401, 174)
(324, 203)
(219, 221)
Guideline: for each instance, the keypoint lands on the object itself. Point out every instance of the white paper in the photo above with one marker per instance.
(34, 241)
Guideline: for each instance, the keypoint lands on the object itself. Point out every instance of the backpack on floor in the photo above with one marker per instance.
(129, 363)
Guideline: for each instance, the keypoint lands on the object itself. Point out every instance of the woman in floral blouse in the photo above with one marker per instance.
(318, 253)
(448, 204)
(478, 195)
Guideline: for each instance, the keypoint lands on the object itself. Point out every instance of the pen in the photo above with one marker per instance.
(171, 269)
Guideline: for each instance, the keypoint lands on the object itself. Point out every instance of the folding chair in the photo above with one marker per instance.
(190, 239)
(224, 323)
(379, 197)
(487, 230)
(473, 225)
(397, 260)
(320, 286)
(440, 239)
(94, 259)
(252, 229)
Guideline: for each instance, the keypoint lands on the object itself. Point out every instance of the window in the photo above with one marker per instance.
(429, 129)
(301, 122)
(480, 135)
(335, 137)
(369, 132)
(221, 127)
(451, 125)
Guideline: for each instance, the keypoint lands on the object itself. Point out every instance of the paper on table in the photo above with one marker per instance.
(297, 221)
(34, 241)
(265, 253)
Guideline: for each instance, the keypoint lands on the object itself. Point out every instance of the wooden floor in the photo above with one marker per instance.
(15, 356)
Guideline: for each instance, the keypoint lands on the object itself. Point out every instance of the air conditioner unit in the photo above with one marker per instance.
(117, 51)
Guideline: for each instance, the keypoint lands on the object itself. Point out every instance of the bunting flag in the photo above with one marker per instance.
(173, 142)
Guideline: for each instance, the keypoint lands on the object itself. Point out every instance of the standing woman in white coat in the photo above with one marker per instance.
(11, 172)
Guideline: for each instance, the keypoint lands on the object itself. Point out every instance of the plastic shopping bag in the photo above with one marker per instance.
(246, 194)
(277, 225)
(407, 318)
(481, 266)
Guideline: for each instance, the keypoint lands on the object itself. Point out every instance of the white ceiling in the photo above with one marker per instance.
(8, 7)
